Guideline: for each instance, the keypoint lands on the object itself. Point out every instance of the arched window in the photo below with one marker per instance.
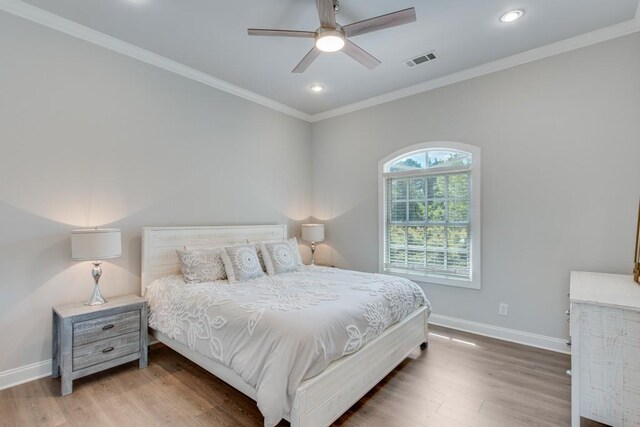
(430, 213)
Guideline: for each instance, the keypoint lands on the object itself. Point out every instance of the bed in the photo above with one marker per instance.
(323, 372)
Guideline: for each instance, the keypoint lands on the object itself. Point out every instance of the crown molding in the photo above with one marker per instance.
(577, 42)
(56, 22)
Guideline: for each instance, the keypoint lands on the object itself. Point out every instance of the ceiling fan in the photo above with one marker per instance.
(332, 37)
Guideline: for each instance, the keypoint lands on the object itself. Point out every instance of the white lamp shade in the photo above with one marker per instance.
(96, 244)
(313, 232)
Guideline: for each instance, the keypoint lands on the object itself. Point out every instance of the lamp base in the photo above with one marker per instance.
(636, 273)
(96, 297)
(313, 253)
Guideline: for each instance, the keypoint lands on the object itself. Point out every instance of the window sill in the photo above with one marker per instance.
(467, 284)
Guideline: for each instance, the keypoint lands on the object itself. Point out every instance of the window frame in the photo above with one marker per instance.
(475, 209)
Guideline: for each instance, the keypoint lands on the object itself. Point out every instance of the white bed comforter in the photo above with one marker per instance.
(276, 331)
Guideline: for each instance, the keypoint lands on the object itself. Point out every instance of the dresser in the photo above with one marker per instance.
(90, 339)
(605, 350)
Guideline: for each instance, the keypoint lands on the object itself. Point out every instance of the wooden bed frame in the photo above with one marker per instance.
(319, 400)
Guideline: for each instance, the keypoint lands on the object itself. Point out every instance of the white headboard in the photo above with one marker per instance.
(159, 244)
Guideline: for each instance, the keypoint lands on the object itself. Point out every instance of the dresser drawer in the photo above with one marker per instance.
(105, 327)
(105, 350)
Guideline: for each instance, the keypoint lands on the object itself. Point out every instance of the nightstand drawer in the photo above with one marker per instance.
(105, 327)
(105, 350)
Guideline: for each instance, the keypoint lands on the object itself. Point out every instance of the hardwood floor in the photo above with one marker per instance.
(460, 380)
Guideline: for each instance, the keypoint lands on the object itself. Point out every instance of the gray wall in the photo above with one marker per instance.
(93, 138)
(560, 142)
(90, 137)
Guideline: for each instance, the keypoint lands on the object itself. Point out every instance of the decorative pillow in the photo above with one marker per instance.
(279, 257)
(241, 263)
(260, 257)
(202, 265)
(293, 244)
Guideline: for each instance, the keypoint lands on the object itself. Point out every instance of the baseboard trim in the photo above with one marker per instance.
(35, 371)
(558, 345)
(24, 374)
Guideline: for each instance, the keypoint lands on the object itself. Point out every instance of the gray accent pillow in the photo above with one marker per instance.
(293, 244)
(260, 257)
(202, 265)
(279, 257)
(241, 263)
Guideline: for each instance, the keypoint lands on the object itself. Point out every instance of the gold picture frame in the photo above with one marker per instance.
(636, 254)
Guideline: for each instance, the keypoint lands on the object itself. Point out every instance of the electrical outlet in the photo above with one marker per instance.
(504, 309)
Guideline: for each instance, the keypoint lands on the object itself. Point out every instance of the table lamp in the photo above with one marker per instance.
(95, 245)
(313, 233)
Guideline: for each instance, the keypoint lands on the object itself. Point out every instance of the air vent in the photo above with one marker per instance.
(421, 59)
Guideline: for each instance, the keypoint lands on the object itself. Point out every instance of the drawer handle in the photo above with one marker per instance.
(107, 350)
(107, 327)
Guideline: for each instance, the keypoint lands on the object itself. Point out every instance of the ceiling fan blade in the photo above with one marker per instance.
(281, 33)
(360, 55)
(389, 20)
(307, 60)
(327, 13)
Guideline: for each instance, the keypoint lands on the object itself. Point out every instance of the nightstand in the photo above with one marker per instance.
(90, 339)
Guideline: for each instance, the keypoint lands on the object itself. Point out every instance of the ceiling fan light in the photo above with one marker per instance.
(330, 41)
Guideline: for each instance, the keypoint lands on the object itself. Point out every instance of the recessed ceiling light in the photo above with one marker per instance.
(512, 16)
(316, 88)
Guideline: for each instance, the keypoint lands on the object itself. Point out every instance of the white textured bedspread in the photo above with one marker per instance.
(279, 330)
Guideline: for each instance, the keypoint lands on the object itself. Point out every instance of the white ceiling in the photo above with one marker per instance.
(211, 37)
